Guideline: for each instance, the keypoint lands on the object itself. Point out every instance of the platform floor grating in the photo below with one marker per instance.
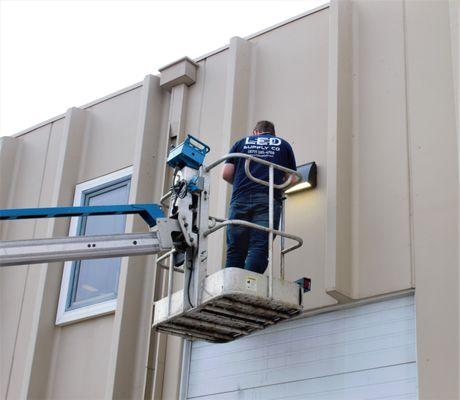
(228, 317)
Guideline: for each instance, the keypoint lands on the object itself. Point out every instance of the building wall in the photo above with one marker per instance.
(42, 360)
(433, 139)
(368, 90)
(27, 170)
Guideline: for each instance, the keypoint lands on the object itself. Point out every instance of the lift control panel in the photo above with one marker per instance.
(190, 153)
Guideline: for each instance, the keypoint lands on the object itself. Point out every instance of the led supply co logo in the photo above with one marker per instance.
(263, 141)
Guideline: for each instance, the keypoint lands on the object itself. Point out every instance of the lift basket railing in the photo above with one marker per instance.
(219, 223)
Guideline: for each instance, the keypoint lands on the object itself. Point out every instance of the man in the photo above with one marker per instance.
(246, 247)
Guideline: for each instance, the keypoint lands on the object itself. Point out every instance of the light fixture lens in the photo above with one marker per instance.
(297, 188)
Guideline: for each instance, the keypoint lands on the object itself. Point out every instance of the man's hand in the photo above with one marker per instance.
(228, 173)
(294, 179)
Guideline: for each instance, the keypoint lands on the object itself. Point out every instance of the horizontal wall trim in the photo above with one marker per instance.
(356, 303)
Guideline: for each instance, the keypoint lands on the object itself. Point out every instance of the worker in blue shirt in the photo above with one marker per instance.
(247, 247)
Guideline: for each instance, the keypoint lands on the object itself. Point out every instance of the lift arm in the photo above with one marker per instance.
(35, 251)
(149, 212)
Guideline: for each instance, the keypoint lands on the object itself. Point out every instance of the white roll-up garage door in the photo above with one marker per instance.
(366, 352)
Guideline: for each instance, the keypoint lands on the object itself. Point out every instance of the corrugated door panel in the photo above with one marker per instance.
(394, 382)
(363, 352)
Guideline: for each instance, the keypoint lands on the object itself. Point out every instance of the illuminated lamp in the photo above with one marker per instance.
(308, 172)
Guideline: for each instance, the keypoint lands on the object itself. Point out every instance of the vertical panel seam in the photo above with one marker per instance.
(13, 182)
(355, 153)
(452, 64)
(203, 91)
(330, 233)
(28, 266)
(409, 152)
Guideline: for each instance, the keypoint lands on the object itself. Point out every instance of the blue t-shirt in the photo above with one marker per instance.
(268, 147)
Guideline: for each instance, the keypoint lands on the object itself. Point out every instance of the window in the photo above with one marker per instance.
(89, 287)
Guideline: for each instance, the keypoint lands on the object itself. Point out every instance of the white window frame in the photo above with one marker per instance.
(64, 316)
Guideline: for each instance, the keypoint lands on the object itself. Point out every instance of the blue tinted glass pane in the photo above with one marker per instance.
(97, 280)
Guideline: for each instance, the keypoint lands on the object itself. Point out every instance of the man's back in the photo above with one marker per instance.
(267, 147)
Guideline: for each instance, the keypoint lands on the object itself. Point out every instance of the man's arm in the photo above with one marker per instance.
(228, 172)
(291, 164)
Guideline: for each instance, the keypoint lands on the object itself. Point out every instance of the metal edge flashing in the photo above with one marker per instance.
(85, 106)
(186, 58)
(288, 21)
(185, 369)
(264, 31)
(355, 303)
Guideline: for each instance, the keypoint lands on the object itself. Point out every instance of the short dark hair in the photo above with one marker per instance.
(265, 126)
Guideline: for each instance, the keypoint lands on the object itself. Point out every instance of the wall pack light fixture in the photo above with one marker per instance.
(308, 172)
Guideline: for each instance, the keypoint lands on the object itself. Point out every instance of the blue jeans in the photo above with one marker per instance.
(247, 248)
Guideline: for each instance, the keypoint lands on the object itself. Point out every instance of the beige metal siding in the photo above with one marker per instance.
(289, 88)
(29, 173)
(80, 360)
(111, 126)
(365, 89)
(205, 119)
(381, 178)
(107, 145)
(434, 161)
(110, 135)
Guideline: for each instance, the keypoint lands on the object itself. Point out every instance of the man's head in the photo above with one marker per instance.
(264, 127)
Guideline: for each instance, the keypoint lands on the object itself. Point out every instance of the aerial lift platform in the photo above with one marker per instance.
(219, 307)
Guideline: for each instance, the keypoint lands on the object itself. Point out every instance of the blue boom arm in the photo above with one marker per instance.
(148, 212)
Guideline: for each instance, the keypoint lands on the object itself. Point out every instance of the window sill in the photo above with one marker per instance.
(83, 313)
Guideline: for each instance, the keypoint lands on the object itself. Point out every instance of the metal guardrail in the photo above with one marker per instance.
(271, 186)
(255, 159)
(165, 197)
(219, 223)
(241, 222)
